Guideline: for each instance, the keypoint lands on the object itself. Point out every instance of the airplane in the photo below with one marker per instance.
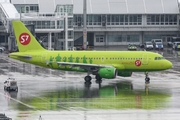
(102, 64)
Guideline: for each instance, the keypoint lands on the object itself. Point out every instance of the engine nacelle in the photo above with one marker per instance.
(124, 73)
(108, 73)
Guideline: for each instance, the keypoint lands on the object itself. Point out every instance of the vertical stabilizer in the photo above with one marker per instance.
(25, 40)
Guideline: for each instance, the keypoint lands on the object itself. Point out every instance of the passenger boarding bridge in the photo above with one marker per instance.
(37, 23)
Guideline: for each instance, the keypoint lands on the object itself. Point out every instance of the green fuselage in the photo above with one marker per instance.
(121, 60)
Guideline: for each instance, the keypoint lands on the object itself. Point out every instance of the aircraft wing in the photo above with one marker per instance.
(83, 65)
(27, 57)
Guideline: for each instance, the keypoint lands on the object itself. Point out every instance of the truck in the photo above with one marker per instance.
(157, 43)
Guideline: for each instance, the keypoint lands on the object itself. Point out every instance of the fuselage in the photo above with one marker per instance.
(134, 61)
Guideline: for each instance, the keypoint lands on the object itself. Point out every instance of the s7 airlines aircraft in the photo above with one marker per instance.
(102, 64)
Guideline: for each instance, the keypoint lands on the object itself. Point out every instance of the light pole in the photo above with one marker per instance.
(84, 26)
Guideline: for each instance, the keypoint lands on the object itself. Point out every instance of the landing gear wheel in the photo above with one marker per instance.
(87, 78)
(98, 79)
(87, 84)
(147, 80)
(8, 89)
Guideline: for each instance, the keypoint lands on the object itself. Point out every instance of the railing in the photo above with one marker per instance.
(37, 15)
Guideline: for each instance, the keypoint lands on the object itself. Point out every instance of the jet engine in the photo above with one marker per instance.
(108, 73)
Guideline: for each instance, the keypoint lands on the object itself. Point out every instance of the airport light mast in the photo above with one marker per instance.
(84, 25)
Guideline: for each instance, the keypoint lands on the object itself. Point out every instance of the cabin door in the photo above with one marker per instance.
(44, 58)
(144, 59)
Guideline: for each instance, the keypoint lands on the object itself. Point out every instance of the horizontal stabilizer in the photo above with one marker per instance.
(26, 57)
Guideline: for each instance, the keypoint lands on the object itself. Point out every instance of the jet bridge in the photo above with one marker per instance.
(43, 23)
(7, 13)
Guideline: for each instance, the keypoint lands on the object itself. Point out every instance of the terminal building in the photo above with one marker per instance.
(58, 24)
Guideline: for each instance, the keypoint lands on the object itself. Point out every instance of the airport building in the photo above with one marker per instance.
(58, 24)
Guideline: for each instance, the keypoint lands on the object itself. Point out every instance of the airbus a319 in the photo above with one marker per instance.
(102, 64)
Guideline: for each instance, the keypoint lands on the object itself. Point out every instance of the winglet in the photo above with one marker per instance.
(25, 40)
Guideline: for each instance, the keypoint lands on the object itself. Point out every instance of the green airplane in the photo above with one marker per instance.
(102, 64)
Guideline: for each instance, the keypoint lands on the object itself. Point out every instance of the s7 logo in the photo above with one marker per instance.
(24, 38)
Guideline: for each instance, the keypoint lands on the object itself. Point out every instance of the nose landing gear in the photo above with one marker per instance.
(147, 79)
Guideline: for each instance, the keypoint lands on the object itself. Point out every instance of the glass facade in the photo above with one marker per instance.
(70, 34)
(114, 20)
(133, 38)
(70, 44)
(45, 24)
(26, 8)
(61, 35)
(167, 19)
(123, 38)
(114, 38)
(78, 20)
(62, 9)
(70, 22)
(100, 38)
(60, 24)
(124, 19)
(94, 19)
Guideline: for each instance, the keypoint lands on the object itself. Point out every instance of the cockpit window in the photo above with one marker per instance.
(159, 58)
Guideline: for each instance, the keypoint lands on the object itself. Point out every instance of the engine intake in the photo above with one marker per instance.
(108, 73)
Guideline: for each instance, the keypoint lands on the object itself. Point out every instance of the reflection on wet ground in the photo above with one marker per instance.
(52, 94)
(116, 96)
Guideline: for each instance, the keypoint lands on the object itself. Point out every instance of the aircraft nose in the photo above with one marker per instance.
(168, 64)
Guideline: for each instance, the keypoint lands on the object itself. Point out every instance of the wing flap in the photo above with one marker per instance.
(82, 65)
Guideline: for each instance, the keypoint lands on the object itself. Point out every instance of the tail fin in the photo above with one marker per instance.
(25, 40)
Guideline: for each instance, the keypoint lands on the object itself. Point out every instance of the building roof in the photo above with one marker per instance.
(109, 6)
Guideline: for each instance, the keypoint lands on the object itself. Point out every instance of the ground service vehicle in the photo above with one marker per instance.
(157, 43)
(176, 45)
(2, 49)
(172, 41)
(148, 45)
(10, 84)
(132, 47)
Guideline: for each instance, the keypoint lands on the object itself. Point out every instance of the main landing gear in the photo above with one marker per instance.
(147, 79)
(88, 79)
(98, 79)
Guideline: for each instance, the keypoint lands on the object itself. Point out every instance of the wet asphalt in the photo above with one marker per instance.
(58, 95)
